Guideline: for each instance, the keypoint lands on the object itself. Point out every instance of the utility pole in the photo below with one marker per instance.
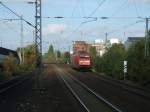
(33, 36)
(106, 38)
(1, 43)
(21, 40)
(38, 31)
(56, 55)
(146, 38)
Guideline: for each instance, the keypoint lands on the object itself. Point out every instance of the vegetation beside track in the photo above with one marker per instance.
(112, 62)
(12, 69)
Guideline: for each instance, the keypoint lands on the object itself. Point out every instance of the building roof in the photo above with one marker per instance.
(5, 51)
(135, 38)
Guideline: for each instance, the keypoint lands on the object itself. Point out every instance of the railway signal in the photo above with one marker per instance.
(125, 69)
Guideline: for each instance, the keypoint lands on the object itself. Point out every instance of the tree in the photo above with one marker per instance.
(111, 62)
(30, 57)
(58, 54)
(138, 64)
(50, 57)
(51, 49)
(93, 52)
(94, 57)
(66, 57)
(10, 66)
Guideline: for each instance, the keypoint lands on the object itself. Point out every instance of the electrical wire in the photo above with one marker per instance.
(17, 15)
(14, 1)
(11, 28)
(93, 17)
(125, 27)
(93, 12)
(99, 5)
(136, 9)
(83, 8)
(119, 9)
(76, 5)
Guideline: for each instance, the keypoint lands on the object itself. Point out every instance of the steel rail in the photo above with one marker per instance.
(95, 94)
(13, 84)
(100, 98)
(74, 94)
(130, 88)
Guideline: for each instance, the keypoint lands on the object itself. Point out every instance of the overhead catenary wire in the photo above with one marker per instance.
(17, 14)
(10, 27)
(14, 1)
(125, 27)
(93, 17)
(119, 8)
(90, 16)
(76, 5)
(4, 20)
(99, 5)
(116, 30)
(136, 9)
(83, 8)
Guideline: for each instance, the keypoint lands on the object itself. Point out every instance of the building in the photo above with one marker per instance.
(100, 48)
(6, 52)
(114, 41)
(79, 46)
(99, 41)
(132, 40)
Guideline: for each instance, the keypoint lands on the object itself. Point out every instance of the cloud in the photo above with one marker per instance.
(54, 29)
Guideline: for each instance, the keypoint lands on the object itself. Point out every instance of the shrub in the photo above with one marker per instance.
(10, 66)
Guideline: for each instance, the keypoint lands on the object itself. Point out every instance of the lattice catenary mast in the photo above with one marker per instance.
(38, 31)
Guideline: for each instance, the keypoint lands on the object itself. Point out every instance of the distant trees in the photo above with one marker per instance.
(53, 56)
(50, 57)
(56, 56)
(66, 57)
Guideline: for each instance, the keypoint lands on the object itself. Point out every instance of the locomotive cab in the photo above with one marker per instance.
(81, 60)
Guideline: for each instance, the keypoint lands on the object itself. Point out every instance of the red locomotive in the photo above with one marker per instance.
(81, 60)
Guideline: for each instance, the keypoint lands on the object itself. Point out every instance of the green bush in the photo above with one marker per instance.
(10, 66)
(111, 62)
(138, 64)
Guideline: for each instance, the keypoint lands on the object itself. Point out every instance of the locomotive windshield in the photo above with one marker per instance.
(84, 56)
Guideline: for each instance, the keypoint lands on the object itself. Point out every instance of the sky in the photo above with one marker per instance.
(61, 32)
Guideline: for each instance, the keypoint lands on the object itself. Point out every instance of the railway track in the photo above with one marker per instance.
(4, 86)
(145, 93)
(91, 101)
(127, 98)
